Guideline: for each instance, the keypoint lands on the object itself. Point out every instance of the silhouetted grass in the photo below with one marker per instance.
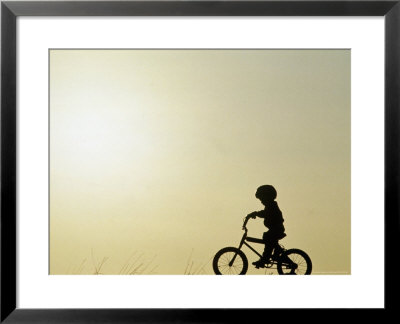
(99, 265)
(136, 265)
(76, 270)
(195, 269)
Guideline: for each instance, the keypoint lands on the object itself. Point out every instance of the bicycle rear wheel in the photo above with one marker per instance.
(294, 262)
(230, 261)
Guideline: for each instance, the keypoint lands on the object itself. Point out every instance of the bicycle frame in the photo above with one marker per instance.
(248, 239)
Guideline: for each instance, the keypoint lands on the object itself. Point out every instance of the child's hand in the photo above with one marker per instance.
(252, 215)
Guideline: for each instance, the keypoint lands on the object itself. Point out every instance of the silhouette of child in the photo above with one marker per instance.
(273, 220)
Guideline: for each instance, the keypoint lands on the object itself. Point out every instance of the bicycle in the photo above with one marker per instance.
(233, 261)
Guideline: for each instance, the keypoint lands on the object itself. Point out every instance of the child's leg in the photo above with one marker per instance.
(277, 251)
(270, 239)
(270, 242)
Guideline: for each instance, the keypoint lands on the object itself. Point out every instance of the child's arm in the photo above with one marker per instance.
(256, 214)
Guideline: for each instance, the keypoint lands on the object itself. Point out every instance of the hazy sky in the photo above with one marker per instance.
(155, 156)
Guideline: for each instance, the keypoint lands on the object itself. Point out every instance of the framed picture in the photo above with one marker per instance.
(149, 145)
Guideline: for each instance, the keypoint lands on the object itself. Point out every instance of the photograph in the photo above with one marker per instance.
(199, 161)
(168, 161)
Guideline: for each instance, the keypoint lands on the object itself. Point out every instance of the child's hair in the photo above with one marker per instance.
(266, 191)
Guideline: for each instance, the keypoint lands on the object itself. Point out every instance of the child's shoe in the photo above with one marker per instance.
(260, 263)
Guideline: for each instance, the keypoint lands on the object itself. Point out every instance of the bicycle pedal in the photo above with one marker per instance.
(258, 265)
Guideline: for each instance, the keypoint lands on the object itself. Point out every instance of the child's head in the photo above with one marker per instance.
(266, 194)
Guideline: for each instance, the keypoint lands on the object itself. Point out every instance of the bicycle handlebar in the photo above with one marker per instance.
(246, 219)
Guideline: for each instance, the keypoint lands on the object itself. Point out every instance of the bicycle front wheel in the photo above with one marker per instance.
(294, 262)
(230, 261)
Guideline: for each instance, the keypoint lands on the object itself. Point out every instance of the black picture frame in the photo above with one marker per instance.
(10, 10)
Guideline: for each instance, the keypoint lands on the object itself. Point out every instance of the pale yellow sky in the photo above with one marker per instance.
(155, 156)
